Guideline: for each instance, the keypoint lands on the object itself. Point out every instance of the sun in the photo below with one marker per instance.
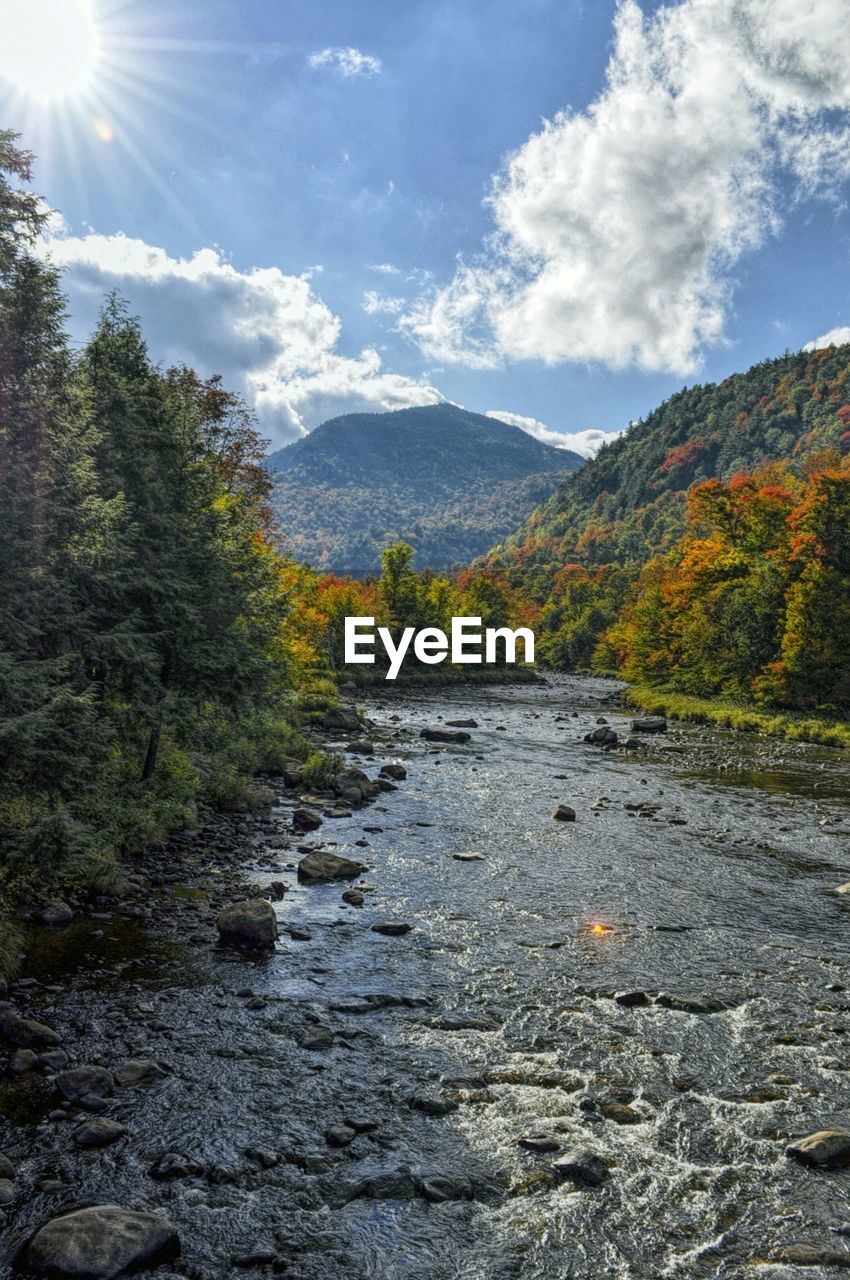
(48, 48)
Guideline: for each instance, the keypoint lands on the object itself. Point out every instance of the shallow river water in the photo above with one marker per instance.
(501, 1004)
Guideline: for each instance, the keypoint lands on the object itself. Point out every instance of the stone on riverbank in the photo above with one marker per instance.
(100, 1243)
(341, 719)
(305, 820)
(26, 1032)
(99, 1132)
(563, 813)
(604, 736)
(397, 772)
(84, 1082)
(56, 912)
(250, 923)
(583, 1167)
(826, 1149)
(392, 928)
(135, 1071)
(320, 865)
(445, 735)
(649, 724)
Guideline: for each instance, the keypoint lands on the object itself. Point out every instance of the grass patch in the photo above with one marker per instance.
(794, 726)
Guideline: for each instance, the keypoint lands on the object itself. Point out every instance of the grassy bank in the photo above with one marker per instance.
(793, 726)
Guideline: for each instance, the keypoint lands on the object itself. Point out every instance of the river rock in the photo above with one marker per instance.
(397, 772)
(99, 1132)
(7, 1191)
(826, 1149)
(135, 1071)
(250, 923)
(604, 736)
(582, 1166)
(171, 1166)
(445, 735)
(84, 1082)
(440, 1188)
(649, 724)
(469, 857)
(23, 1060)
(360, 747)
(434, 1107)
(539, 1142)
(321, 865)
(341, 719)
(393, 1184)
(340, 1135)
(26, 1032)
(563, 813)
(811, 1255)
(56, 912)
(100, 1243)
(305, 820)
(7, 1169)
(619, 1112)
(353, 897)
(691, 1004)
(392, 928)
(462, 724)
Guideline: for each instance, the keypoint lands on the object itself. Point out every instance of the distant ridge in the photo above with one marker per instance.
(449, 482)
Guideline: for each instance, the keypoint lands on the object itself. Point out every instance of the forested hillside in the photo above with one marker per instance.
(707, 550)
(448, 482)
(629, 501)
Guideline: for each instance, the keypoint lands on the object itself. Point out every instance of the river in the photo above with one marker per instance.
(699, 870)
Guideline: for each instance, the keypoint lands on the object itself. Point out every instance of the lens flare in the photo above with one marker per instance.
(48, 48)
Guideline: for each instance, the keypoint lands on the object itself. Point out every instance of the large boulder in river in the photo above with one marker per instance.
(603, 736)
(445, 735)
(26, 1032)
(56, 912)
(826, 1149)
(341, 720)
(250, 923)
(649, 724)
(320, 865)
(84, 1082)
(100, 1243)
(305, 820)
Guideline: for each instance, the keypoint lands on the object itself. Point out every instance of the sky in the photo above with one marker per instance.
(557, 211)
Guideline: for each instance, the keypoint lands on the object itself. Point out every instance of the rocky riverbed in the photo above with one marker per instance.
(565, 1020)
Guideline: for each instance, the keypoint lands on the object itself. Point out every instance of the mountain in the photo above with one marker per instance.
(449, 482)
(629, 501)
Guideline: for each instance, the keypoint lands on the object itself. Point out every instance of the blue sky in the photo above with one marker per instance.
(241, 170)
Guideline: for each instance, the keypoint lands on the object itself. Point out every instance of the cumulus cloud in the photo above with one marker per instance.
(385, 268)
(835, 338)
(616, 228)
(349, 62)
(266, 332)
(587, 443)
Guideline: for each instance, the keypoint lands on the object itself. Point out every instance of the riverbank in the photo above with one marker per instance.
(792, 726)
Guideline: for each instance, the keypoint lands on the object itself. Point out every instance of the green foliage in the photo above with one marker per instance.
(144, 660)
(321, 770)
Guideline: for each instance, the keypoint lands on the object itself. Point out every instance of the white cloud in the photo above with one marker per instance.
(617, 228)
(385, 268)
(375, 303)
(835, 338)
(266, 332)
(587, 443)
(349, 62)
